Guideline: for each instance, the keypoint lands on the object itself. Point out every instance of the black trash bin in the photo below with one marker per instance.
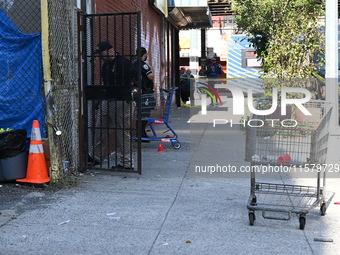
(13, 155)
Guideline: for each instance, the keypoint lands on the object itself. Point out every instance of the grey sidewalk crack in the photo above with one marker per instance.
(168, 211)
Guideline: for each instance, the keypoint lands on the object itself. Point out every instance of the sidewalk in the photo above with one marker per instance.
(167, 210)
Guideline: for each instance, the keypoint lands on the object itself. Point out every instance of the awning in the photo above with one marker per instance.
(190, 14)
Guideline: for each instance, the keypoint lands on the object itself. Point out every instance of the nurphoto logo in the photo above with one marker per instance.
(239, 106)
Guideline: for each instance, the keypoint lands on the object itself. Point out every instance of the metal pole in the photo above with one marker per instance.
(203, 49)
(54, 174)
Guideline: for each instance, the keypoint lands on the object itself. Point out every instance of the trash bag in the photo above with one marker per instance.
(12, 143)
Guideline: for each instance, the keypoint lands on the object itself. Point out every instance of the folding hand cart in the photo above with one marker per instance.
(300, 144)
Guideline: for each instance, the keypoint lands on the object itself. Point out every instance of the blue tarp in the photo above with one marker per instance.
(21, 85)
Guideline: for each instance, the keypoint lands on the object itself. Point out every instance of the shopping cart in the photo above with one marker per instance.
(163, 109)
(300, 143)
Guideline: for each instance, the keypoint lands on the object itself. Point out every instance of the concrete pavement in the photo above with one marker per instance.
(168, 209)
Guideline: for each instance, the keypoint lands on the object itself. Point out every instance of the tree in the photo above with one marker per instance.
(286, 34)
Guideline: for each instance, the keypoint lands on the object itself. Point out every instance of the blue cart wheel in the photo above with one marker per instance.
(176, 144)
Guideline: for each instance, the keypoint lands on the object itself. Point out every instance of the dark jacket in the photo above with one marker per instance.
(213, 70)
(117, 72)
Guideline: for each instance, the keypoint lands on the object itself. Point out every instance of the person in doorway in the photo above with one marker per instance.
(182, 71)
(185, 86)
(191, 87)
(178, 92)
(212, 72)
(148, 100)
(202, 71)
(116, 112)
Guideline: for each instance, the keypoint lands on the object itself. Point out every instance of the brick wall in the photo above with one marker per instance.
(151, 30)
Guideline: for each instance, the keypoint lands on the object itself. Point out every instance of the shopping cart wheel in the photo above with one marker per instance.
(323, 209)
(176, 144)
(302, 221)
(251, 218)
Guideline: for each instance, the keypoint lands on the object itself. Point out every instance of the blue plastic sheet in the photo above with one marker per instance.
(21, 83)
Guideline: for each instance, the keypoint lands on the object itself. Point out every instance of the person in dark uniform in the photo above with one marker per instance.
(147, 86)
(115, 113)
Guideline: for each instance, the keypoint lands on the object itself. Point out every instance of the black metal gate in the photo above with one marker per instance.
(111, 116)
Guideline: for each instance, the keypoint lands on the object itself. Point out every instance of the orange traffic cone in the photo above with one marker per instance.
(36, 167)
(160, 148)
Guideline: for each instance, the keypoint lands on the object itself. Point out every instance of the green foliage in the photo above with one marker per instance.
(66, 182)
(285, 34)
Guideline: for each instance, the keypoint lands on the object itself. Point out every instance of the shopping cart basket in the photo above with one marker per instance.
(164, 109)
(300, 142)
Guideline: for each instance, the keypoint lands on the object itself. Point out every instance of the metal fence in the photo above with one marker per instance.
(64, 102)
(60, 99)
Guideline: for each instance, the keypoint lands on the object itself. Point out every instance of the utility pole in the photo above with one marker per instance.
(203, 49)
